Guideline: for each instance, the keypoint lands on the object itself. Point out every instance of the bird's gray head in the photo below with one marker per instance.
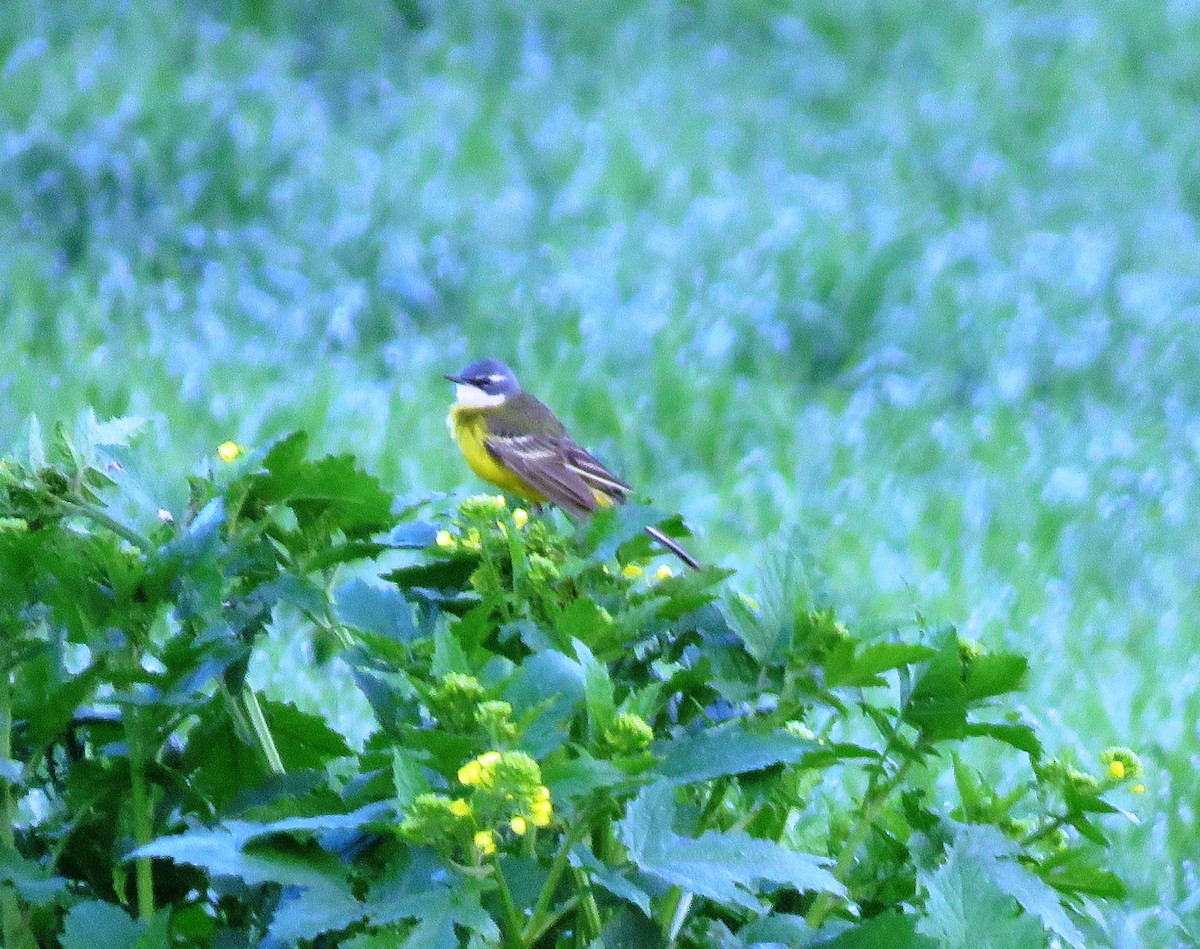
(486, 382)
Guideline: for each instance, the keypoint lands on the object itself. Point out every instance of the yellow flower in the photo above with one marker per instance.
(444, 539)
(1139, 789)
(470, 773)
(1116, 769)
(539, 813)
(480, 770)
(518, 825)
(229, 451)
(520, 517)
(631, 570)
(542, 793)
(485, 842)
(663, 573)
(460, 808)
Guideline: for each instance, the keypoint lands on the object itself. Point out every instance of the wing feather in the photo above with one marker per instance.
(539, 461)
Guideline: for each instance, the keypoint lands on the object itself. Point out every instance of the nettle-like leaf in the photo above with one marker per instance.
(722, 866)
(937, 704)
(96, 925)
(333, 488)
(33, 882)
(724, 751)
(421, 890)
(893, 930)
(376, 609)
(974, 896)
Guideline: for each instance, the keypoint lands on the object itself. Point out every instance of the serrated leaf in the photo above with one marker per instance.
(937, 704)
(413, 535)
(609, 879)
(333, 487)
(971, 894)
(32, 882)
(725, 867)
(864, 667)
(97, 925)
(1021, 737)
(597, 691)
(994, 673)
(723, 751)
(409, 778)
(304, 740)
(376, 609)
(419, 894)
(304, 913)
(893, 930)
(1074, 873)
(113, 432)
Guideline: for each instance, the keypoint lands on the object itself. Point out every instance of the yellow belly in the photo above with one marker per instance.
(468, 428)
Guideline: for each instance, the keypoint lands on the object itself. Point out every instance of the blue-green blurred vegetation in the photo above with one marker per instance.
(914, 288)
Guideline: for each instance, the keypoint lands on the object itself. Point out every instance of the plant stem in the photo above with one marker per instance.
(536, 924)
(11, 926)
(513, 936)
(250, 707)
(105, 519)
(682, 908)
(591, 912)
(877, 795)
(1044, 831)
(143, 812)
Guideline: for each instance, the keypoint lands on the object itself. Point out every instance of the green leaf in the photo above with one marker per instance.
(724, 867)
(97, 925)
(597, 692)
(579, 777)
(893, 930)
(448, 655)
(609, 879)
(1075, 872)
(220, 852)
(609, 529)
(419, 893)
(33, 882)
(971, 896)
(1021, 737)
(722, 751)
(449, 574)
(409, 777)
(333, 488)
(864, 667)
(994, 673)
(380, 610)
(304, 740)
(306, 913)
(937, 704)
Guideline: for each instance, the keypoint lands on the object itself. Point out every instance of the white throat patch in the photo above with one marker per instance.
(472, 398)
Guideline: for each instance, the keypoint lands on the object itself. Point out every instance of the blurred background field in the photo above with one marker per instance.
(912, 288)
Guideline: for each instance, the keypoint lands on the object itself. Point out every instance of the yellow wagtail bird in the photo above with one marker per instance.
(512, 440)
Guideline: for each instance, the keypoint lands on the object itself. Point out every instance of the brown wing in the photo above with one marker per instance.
(527, 438)
(539, 460)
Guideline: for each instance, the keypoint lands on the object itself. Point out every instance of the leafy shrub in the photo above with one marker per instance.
(571, 746)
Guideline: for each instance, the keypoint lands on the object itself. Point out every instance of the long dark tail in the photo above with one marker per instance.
(674, 547)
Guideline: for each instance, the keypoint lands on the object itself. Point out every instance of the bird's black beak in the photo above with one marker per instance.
(457, 380)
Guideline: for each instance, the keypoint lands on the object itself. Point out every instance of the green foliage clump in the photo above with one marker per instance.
(568, 745)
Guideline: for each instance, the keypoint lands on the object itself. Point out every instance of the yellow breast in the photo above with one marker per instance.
(468, 426)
